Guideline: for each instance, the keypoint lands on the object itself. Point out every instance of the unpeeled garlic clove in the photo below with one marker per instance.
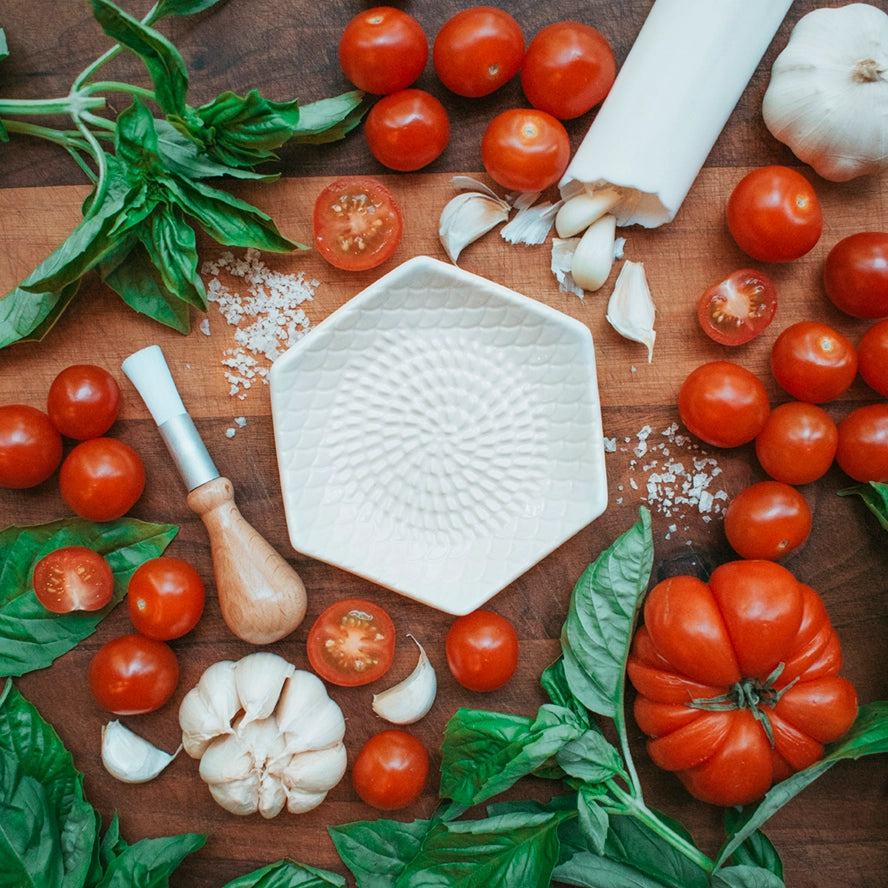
(129, 757)
(409, 700)
(259, 678)
(630, 309)
(470, 215)
(577, 213)
(594, 256)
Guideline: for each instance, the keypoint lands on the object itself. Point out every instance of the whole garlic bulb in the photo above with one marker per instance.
(828, 94)
(267, 735)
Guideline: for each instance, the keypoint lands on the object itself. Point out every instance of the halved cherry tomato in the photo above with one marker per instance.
(73, 578)
(83, 401)
(568, 69)
(872, 357)
(478, 50)
(357, 223)
(407, 130)
(165, 598)
(525, 150)
(774, 215)
(798, 443)
(723, 404)
(855, 274)
(383, 49)
(482, 650)
(30, 446)
(351, 643)
(102, 478)
(133, 674)
(390, 770)
(813, 362)
(768, 520)
(739, 308)
(863, 443)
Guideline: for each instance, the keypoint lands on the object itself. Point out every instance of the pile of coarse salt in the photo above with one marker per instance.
(673, 483)
(267, 320)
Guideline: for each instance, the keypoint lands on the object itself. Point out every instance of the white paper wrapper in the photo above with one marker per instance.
(682, 78)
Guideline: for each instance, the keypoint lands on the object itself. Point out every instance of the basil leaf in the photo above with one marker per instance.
(4, 48)
(757, 849)
(164, 63)
(327, 120)
(590, 870)
(28, 315)
(554, 683)
(287, 874)
(597, 632)
(30, 636)
(149, 862)
(591, 758)
(136, 140)
(377, 851)
(166, 8)
(746, 877)
(172, 248)
(875, 497)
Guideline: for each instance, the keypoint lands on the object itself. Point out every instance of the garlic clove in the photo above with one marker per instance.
(259, 678)
(324, 726)
(238, 796)
(317, 770)
(467, 217)
(630, 309)
(129, 757)
(578, 213)
(411, 699)
(594, 256)
(208, 709)
(467, 183)
(299, 801)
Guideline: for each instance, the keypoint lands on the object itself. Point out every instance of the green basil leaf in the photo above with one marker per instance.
(377, 851)
(590, 870)
(591, 758)
(28, 315)
(328, 120)
(112, 843)
(287, 874)
(4, 48)
(30, 636)
(136, 139)
(172, 248)
(149, 862)
(167, 8)
(746, 877)
(597, 632)
(554, 683)
(594, 821)
(756, 850)
(875, 497)
(163, 61)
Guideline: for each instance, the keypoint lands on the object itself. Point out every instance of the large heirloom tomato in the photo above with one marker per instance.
(737, 680)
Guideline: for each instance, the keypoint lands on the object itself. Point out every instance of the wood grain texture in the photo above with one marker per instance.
(836, 832)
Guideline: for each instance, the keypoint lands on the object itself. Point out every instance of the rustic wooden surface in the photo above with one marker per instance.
(836, 832)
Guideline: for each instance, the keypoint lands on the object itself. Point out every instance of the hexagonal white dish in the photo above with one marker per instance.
(439, 434)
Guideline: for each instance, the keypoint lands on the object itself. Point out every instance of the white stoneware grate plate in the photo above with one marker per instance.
(439, 435)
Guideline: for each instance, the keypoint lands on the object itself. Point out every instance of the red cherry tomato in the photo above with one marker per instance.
(798, 443)
(482, 650)
(390, 770)
(382, 50)
(525, 150)
(165, 597)
(73, 578)
(351, 643)
(723, 404)
(407, 130)
(872, 357)
(478, 50)
(767, 520)
(863, 443)
(855, 274)
(30, 446)
(357, 223)
(133, 674)
(102, 478)
(83, 401)
(813, 362)
(569, 68)
(739, 308)
(774, 215)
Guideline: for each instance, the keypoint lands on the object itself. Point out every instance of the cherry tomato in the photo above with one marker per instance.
(739, 308)
(767, 520)
(102, 478)
(478, 50)
(83, 401)
(390, 770)
(569, 68)
(407, 130)
(525, 150)
(862, 452)
(813, 362)
(73, 578)
(855, 274)
(774, 215)
(351, 643)
(133, 674)
(382, 50)
(798, 443)
(30, 446)
(482, 650)
(357, 223)
(872, 357)
(166, 598)
(723, 404)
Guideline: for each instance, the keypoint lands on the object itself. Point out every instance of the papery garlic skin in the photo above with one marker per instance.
(129, 757)
(469, 216)
(827, 98)
(411, 699)
(630, 309)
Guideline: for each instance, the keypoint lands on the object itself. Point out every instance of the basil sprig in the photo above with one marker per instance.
(148, 169)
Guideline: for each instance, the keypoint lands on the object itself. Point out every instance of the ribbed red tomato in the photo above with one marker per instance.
(737, 680)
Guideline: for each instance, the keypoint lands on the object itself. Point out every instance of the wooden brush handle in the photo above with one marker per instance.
(261, 597)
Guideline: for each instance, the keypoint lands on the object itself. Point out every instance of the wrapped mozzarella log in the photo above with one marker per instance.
(682, 78)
